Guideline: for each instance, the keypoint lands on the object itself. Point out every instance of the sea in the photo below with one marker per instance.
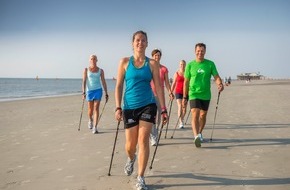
(27, 88)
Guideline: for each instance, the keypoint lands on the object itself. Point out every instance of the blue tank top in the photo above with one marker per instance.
(93, 80)
(138, 92)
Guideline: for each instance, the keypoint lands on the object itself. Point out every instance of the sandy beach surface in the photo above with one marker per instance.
(42, 149)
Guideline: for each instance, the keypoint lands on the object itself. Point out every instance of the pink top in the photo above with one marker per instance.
(162, 71)
(179, 84)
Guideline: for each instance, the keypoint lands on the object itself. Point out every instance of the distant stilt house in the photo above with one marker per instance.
(250, 76)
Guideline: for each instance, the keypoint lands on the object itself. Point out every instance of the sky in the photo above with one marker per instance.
(54, 38)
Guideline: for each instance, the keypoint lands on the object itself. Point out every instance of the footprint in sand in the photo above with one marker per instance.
(34, 157)
(257, 174)
(241, 163)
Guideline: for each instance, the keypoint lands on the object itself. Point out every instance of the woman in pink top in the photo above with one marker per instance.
(177, 87)
(164, 81)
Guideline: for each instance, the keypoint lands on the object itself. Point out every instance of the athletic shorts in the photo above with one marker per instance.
(200, 104)
(94, 95)
(178, 96)
(131, 117)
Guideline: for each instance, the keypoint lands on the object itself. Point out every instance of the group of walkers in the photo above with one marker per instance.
(142, 106)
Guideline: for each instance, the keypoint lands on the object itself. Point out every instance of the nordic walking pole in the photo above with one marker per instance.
(81, 115)
(216, 108)
(109, 174)
(175, 126)
(156, 146)
(168, 118)
(159, 123)
(187, 117)
(102, 112)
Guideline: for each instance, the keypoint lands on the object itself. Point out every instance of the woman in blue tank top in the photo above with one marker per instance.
(138, 110)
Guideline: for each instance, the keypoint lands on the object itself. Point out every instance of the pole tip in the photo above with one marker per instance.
(109, 174)
(150, 167)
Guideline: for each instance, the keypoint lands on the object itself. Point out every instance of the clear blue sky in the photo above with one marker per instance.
(54, 38)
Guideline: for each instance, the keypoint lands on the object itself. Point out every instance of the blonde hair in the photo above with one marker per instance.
(93, 55)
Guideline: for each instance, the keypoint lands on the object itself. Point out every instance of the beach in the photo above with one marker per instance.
(41, 147)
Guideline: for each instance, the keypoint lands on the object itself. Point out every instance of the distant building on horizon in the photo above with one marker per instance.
(250, 76)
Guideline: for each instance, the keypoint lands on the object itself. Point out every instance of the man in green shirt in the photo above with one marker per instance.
(197, 78)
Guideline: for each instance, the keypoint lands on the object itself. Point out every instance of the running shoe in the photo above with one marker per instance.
(181, 126)
(153, 140)
(90, 124)
(95, 130)
(197, 141)
(200, 136)
(140, 185)
(129, 167)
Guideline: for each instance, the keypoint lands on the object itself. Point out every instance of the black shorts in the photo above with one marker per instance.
(200, 104)
(132, 117)
(178, 96)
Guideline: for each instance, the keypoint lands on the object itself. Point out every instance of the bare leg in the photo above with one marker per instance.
(195, 121)
(131, 141)
(143, 141)
(180, 112)
(183, 113)
(90, 110)
(202, 120)
(96, 112)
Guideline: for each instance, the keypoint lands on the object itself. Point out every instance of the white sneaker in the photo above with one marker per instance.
(140, 185)
(153, 140)
(90, 124)
(181, 126)
(95, 130)
(129, 166)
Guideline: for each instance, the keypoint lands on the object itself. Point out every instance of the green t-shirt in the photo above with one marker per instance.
(199, 75)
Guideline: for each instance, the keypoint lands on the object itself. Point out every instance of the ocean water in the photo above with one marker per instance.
(27, 88)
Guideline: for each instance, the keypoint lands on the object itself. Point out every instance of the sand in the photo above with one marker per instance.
(41, 147)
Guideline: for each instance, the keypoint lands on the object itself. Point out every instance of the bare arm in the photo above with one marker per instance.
(173, 83)
(185, 91)
(104, 84)
(219, 83)
(119, 87)
(167, 84)
(84, 82)
(159, 89)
